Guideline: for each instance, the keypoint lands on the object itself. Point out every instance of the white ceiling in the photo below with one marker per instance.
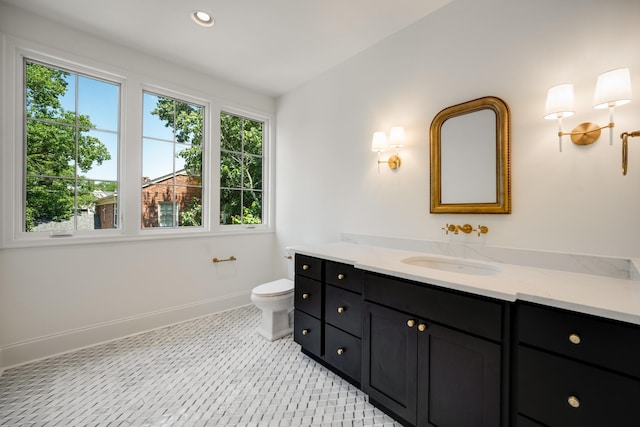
(271, 46)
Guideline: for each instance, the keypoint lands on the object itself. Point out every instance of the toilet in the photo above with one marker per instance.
(275, 299)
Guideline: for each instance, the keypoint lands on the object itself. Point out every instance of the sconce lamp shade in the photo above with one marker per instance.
(612, 89)
(379, 142)
(396, 136)
(559, 102)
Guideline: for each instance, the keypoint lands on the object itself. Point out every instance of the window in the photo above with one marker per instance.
(241, 169)
(168, 214)
(71, 149)
(80, 151)
(172, 189)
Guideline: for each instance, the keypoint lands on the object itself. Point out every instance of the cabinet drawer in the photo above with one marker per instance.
(546, 383)
(343, 351)
(603, 342)
(475, 315)
(308, 296)
(343, 275)
(309, 267)
(307, 331)
(343, 309)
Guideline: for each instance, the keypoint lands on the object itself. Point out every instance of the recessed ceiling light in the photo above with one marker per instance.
(202, 18)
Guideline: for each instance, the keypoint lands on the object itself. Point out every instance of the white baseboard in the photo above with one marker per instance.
(64, 342)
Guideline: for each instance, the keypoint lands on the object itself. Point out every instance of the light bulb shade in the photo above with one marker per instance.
(379, 142)
(559, 102)
(613, 89)
(396, 136)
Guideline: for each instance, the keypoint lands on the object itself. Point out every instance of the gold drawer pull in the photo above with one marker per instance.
(341, 309)
(422, 327)
(305, 331)
(574, 338)
(305, 267)
(305, 296)
(340, 351)
(411, 323)
(340, 276)
(573, 402)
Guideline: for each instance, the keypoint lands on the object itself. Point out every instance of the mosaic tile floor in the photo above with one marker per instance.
(212, 371)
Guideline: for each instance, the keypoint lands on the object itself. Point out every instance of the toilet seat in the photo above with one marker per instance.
(275, 288)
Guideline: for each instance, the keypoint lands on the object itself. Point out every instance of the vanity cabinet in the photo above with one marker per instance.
(434, 357)
(328, 314)
(575, 369)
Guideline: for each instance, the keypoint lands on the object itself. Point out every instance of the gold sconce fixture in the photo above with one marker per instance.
(613, 89)
(466, 229)
(396, 140)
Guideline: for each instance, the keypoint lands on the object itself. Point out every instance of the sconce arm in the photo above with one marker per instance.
(589, 130)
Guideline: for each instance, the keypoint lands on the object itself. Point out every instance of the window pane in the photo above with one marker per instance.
(190, 206)
(153, 195)
(105, 204)
(252, 172)
(105, 161)
(230, 206)
(188, 123)
(50, 93)
(68, 164)
(98, 100)
(252, 207)
(157, 117)
(230, 170)
(157, 159)
(49, 204)
(50, 149)
(189, 159)
(252, 137)
(230, 132)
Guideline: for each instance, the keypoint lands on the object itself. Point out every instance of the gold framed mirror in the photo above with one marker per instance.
(470, 158)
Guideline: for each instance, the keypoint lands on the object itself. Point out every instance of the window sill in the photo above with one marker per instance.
(144, 235)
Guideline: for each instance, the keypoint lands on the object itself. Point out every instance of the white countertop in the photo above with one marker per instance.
(612, 298)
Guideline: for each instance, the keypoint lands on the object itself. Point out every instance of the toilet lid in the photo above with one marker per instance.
(277, 287)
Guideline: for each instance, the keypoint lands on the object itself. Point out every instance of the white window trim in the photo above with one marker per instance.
(267, 171)
(207, 187)
(14, 142)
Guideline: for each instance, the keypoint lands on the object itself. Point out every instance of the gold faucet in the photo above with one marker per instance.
(467, 228)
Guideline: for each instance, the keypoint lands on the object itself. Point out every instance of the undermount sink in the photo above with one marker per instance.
(456, 266)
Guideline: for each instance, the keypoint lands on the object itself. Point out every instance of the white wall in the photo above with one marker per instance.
(575, 201)
(53, 299)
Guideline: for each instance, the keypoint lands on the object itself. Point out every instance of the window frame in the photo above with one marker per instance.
(14, 228)
(132, 84)
(267, 170)
(207, 188)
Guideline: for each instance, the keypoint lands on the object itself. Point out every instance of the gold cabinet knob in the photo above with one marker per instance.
(574, 338)
(422, 327)
(305, 331)
(305, 296)
(411, 323)
(341, 309)
(305, 267)
(340, 276)
(573, 402)
(340, 351)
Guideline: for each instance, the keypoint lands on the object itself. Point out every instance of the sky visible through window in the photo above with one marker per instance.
(97, 100)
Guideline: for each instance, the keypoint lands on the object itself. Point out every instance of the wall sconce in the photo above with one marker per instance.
(613, 89)
(396, 140)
